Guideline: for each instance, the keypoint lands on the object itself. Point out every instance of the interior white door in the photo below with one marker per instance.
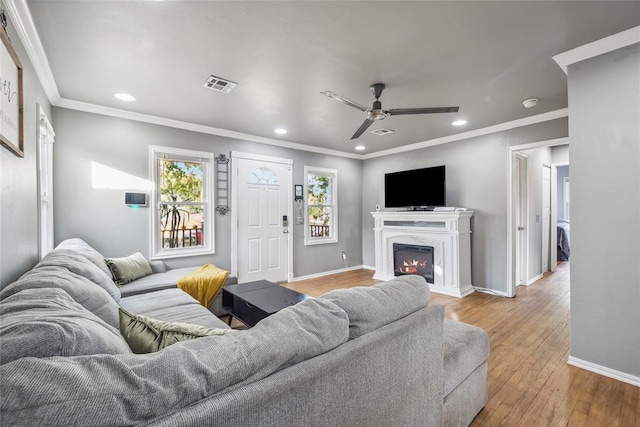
(263, 213)
(566, 197)
(546, 216)
(520, 175)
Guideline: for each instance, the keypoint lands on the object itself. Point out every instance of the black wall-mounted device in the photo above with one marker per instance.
(135, 199)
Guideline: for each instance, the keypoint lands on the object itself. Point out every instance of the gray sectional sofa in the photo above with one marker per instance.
(363, 356)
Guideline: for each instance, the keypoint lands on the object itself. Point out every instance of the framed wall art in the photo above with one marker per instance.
(11, 122)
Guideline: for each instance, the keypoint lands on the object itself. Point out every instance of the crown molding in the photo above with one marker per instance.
(598, 47)
(25, 27)
(531, 120)
(178, 124)
(21, 19)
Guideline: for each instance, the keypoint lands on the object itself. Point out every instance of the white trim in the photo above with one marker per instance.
(534, 279)
(604, 371)
(526, 121)
(598, 47)
(207, 158)
(329, 273)
(490, 291)
(511, 279)
(235, 155)
(20, 15)
(368, 267)
(333, 238)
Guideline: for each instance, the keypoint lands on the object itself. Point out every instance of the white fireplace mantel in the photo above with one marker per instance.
(449, 233)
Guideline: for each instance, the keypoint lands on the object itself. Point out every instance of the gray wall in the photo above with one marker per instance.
(100, 217)
(476, 179)
(604, 103)
(537, 158)
(18, 181)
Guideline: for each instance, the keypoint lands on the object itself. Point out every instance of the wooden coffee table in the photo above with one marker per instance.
(251, 302)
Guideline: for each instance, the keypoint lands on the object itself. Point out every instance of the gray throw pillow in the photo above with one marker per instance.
(129, 268)
(147, 335)
(48, 322)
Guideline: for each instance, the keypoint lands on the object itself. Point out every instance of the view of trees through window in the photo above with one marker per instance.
(181, 203)
(320, 205)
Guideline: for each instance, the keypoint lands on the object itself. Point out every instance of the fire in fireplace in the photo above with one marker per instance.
(413, 259)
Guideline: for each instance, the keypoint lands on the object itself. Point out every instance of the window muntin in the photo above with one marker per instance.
(182, 219)
(263, 176)
(321, 214)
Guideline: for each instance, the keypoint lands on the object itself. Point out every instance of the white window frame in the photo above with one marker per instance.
(333, 226)
(207, 159)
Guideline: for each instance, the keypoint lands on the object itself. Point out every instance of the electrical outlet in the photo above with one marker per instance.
(344, 255)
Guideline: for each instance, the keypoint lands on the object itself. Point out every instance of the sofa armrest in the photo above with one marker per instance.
(158, 266)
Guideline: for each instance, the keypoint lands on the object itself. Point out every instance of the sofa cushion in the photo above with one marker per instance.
(370, 307)
(128, 268)
(465, 348)
(78, 264)
(138, 388)
(146, 335)
(155, 282)
(48, 322)
(82, 290)
(83, 248)
(171, 305)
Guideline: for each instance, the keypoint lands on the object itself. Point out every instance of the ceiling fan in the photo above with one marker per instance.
(377, 113)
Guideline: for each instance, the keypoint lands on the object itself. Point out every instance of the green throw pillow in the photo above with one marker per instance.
(129, 268)
(147, 335)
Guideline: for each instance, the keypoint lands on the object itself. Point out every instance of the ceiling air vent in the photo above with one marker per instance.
(219, 84)
(382, 131)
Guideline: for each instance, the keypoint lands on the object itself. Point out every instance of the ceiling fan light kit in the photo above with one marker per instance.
(376, 112)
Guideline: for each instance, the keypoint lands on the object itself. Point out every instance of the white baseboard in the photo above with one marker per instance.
(368, 267)
(604, 371)
(489, 291)
(535, 279)
(328, 273)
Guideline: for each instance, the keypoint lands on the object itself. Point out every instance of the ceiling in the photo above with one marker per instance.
(485, 57)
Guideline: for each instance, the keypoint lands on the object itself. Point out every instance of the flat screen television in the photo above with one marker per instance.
(415, 189)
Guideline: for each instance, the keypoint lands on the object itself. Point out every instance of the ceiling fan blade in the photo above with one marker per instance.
(343, 100)
(364, 126)
(401, 111)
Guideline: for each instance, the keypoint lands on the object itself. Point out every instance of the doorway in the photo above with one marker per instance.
(521, 195)
(513, 211)
(260, 206)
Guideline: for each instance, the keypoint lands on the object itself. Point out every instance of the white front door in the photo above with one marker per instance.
(261, 206)
(546, 216)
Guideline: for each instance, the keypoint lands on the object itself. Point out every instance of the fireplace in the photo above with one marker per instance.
(413, 259)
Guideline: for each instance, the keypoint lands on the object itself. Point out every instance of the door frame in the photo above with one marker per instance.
(511, 236)
(550, 241)
(553, 241)
(236, 155)
(521, 215)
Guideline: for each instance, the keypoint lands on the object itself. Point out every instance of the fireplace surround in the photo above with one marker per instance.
(447, 233)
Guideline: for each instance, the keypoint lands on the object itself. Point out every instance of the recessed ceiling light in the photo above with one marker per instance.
(124, 97)
(459, 123)
(359, 147)
(280, 131)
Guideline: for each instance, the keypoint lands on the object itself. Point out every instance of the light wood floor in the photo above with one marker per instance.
(530, 383)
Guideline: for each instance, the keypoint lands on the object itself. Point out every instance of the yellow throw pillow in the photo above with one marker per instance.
(147, 335)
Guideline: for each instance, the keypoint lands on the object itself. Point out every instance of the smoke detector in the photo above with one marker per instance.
(382, 131)
(219, 84)
(530, 103)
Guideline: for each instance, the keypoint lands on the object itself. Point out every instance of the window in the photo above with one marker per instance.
(321, 220)
(46, 137)
(182, 223)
